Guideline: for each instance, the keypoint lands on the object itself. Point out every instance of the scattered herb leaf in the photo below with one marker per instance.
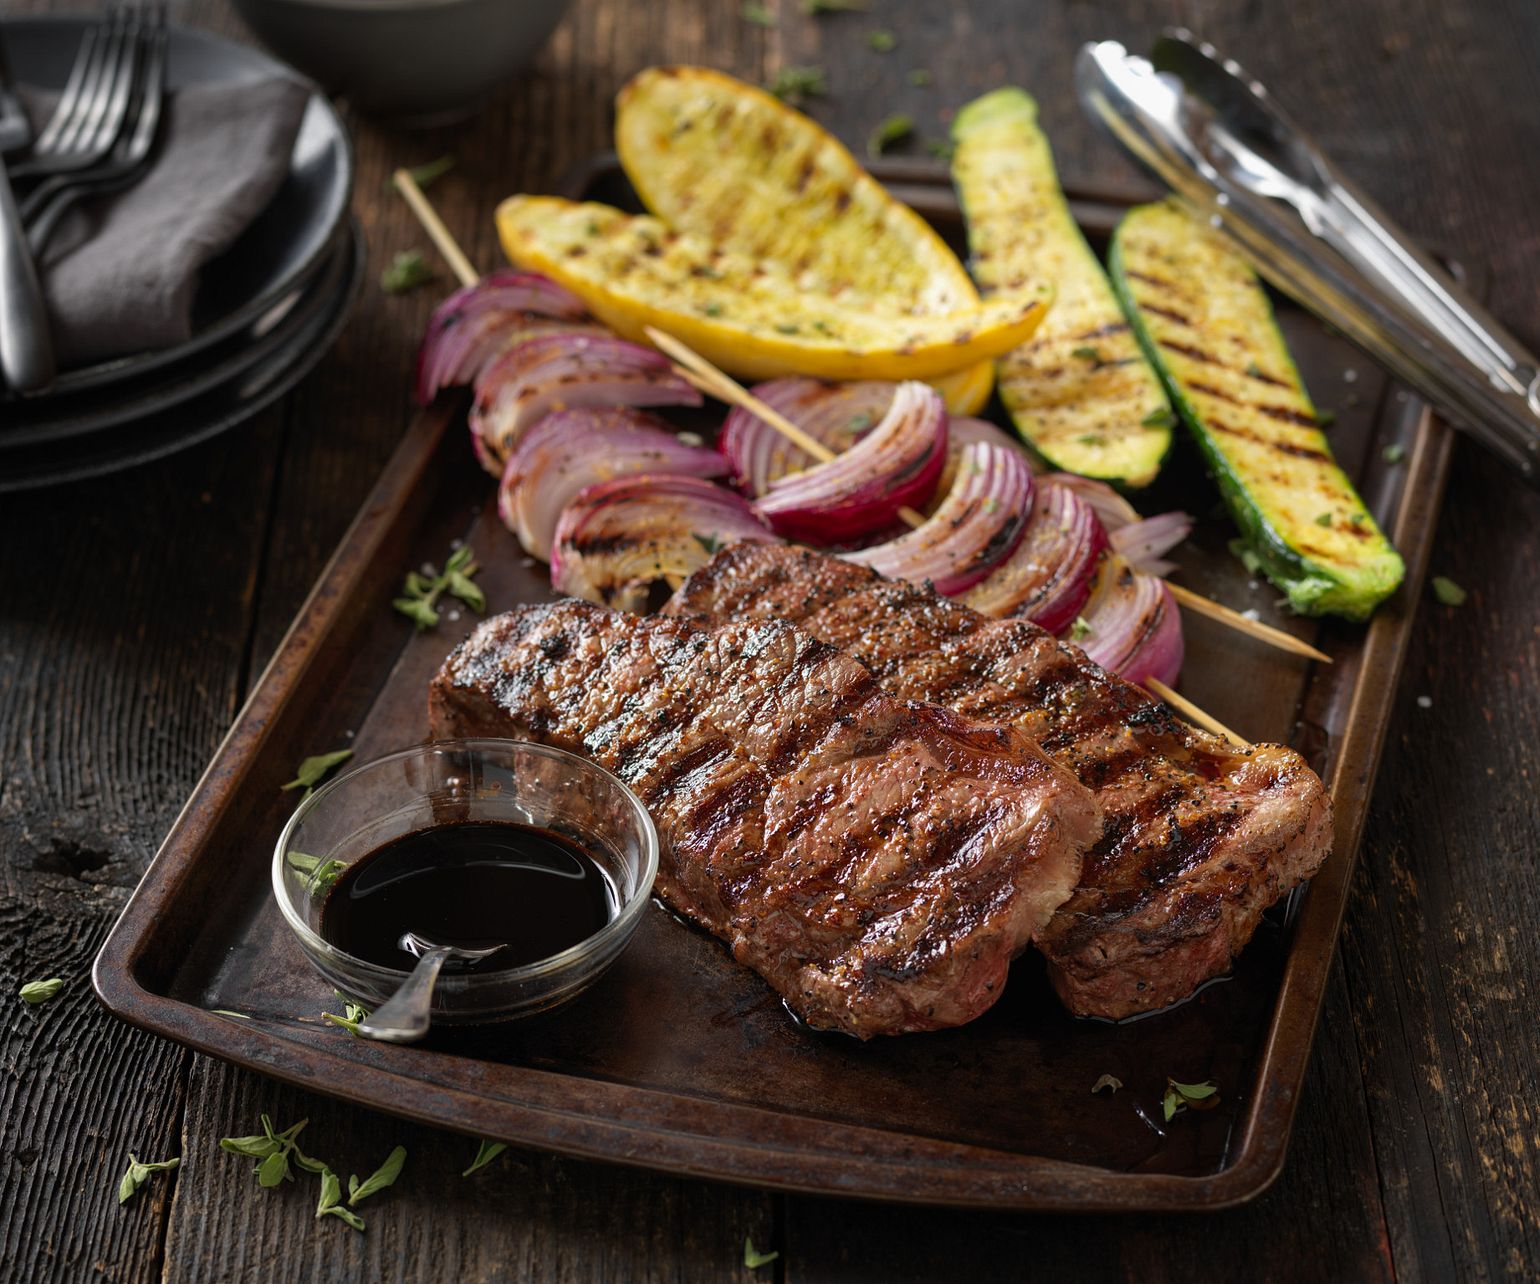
(1081, 628)
(420, 591)
(787, 327)
(753, 1258)
(406, 272)
(318, 874)
(1161, 418)
(815, 7)
(1110, 1082)
(1188, 1096)
(1091, 439)
(882, 41)
(315, 769)
(330, 1204)
(920, 77)
(892, 130)
(430, 173)
(1093, 355)
(1323, 519)
(1253, 369)
(712, 309)
(36, 992)
(708, 542)
(383, 1176)
(1325, 418)
(1248, 555)
(1394, 453)
(353, 1013)
(138, 1173)
(797, 84)
(1448, 592)
(759, 15)
(485, 1154)
(941, 149)
(860, 422)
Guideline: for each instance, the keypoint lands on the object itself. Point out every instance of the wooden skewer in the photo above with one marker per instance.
(1192, 713)
(1242, 624)
(440, 235)
(700, 373)
(724, 387)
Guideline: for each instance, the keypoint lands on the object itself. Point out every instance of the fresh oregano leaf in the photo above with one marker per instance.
(753, 1258)
(467, 591)
(1110, 1082)
(330, 1203)
(378, 1180)
(274, 1170)
(1081, 628)
(1188, 1096)
(406, 272)
(796, 84)
(1160, 418)
(1448, 592)
(36, 992)
(314, 770)
(759, 15)
(423, 175)
(1394, 453)
(893, 129)
(882, 41)
(138, 1173)
(485, 1154)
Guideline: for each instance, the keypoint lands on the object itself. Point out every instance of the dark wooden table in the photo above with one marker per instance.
(136, 612)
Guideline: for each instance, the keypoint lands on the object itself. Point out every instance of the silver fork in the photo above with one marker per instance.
(50, 200)
(86, 123)
(26, 349)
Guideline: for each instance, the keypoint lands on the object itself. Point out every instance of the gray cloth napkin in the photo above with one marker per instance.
(121, 273)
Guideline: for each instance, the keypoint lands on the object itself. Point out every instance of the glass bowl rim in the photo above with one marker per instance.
(617, 928)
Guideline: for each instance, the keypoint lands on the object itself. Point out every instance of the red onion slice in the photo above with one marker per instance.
(615, 540)
(976, 527)
(1115, 511)
(1048, 578)
(477, 322)
(1144, 543)
(1131, 626)
(571, 450)
(963, 430)
(556, 372)
(862, 490)
(837, 414)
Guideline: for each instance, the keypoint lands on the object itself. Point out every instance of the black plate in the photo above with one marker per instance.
(213, 412)
(286, 243)
(124, 403)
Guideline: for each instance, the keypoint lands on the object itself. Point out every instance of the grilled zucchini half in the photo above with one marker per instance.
(723, 160)
(1206, 323)
(1080, 390)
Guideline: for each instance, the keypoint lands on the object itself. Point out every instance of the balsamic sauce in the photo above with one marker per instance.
(473, 884)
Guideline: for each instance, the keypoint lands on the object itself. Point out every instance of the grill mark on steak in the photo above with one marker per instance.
(879, 862)
(1199, 838)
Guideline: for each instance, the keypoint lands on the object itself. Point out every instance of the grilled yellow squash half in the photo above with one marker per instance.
(747, 316)
(728, 162)
(1208, 326)
(1080, 391)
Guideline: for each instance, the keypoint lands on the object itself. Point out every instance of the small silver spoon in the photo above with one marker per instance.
(406, 1015)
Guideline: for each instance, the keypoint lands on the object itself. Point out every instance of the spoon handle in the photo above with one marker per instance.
(405, 1016)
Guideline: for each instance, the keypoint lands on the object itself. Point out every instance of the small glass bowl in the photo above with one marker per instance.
(464, 780)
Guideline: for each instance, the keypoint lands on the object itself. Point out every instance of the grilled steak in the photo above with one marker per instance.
(1199, 837)
(878, 862)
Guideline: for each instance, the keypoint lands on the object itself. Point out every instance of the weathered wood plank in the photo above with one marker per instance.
(137, 610)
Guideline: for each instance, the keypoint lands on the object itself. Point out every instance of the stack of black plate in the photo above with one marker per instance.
(266, 311)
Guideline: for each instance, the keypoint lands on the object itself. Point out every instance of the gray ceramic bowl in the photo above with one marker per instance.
(417, 61)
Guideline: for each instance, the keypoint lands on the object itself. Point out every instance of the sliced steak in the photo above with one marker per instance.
(1199, 837)
(879, 862)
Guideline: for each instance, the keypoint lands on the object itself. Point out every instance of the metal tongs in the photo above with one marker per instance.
(1212, 134)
